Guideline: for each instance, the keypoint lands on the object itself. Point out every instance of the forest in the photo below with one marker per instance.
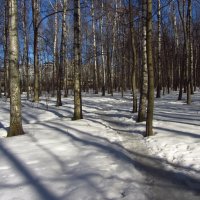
(105, 46)
(120, 76)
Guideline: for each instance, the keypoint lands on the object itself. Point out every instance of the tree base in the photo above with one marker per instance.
(15, 130)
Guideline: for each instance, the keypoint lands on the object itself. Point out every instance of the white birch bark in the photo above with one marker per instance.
(96, 85)
(144, 85)
(15, 98)
(102, 52)
(77, 62)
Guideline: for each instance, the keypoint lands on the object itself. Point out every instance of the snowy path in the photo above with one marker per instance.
(57, 161)
(164, 182)
(101, 157)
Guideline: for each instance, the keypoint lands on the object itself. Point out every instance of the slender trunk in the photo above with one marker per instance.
(35, 8)
(55, 50)
(77, 62)
(191, 66)
(133, 49)
(25, 53)
(123, 55)
(113, 50)
(65, 65)
(15, 98)
(195, 66)
(188, 52)
(102, 53)
(159, 51)
(176, 61)
(184, 64)
(6, 53)
(150, 106)
(62, 56)
(144, 85)
(108, 66)
(96, 85)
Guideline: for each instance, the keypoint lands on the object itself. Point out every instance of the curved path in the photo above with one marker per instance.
(97, 158)
(163, 180)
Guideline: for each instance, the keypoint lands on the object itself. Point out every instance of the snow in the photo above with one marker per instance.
(103, 156)
(177, 128)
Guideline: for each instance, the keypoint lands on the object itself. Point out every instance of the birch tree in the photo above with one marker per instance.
(55, 49)
(103, 51)
(189, 53)
(62, 63)
(96, 84)
(26, 46)
(6, 51)
(15, 98)
(144, 84)
(177, 69)
(59, 66)
(35, 10)
(64, 50)
(113, 49)
(77, 62)
(133, 50)
(186, 71)
(159, 51)
(150, 106)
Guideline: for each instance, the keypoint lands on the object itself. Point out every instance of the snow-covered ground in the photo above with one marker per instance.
(177, 133)
(104, 156)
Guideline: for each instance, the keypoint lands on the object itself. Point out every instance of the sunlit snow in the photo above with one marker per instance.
(104, 156)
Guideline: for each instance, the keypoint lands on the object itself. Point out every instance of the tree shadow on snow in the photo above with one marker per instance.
(176, 132)
(161, 178)
(147, 164)
(177, 118)
(41, 190)
(3, 127)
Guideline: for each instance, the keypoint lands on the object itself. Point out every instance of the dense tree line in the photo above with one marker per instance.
(147, 46)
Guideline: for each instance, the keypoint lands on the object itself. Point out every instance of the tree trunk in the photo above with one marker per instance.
(184, 63)
(55, 50)
(176, 61)
(65, 65)
(159, 51)
(25, 53)
(6, 53)
(108, 67)
(35, 10)
(144, 84)
(188, 52)
(15, 98)
(77, 62)
(62, 56)
(96, 85)
(133, 49)
(113, 50)
(190, 46)
(150, 106)
(103, 53)
(195, 66)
